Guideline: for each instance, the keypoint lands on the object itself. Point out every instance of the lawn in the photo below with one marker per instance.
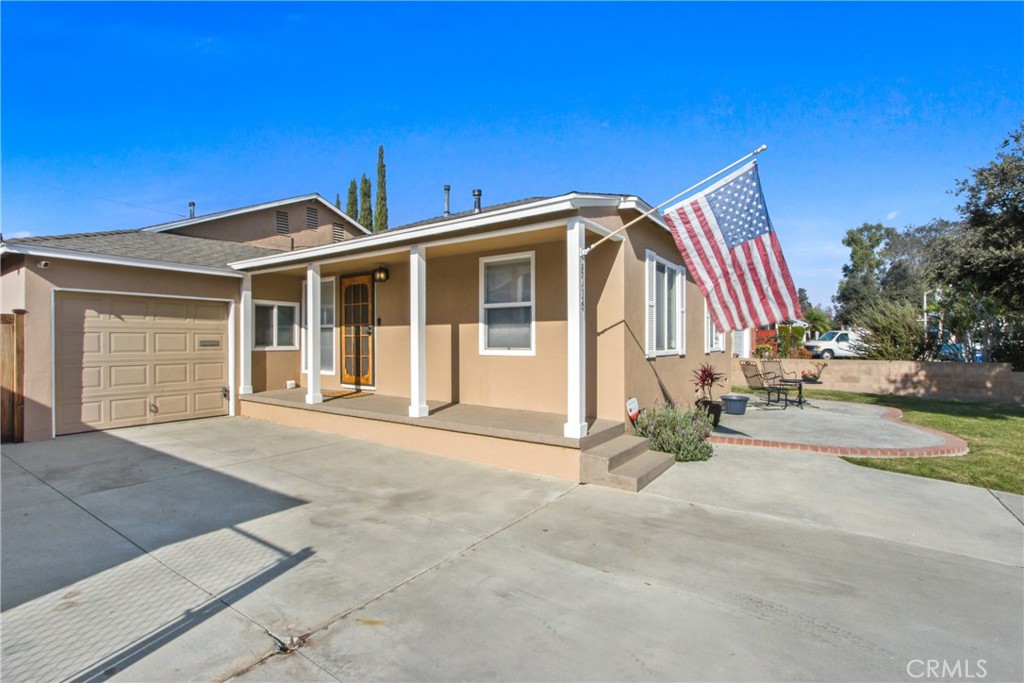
(994, 432)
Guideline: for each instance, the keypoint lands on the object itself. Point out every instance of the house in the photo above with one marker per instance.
(468, 335)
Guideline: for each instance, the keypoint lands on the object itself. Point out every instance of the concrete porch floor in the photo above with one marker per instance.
(517, 425)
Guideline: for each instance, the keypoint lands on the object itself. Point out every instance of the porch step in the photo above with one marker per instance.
(624, 462)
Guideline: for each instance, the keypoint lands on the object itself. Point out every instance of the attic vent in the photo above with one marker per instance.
(337, 232)
(312, 219)
(282, 223)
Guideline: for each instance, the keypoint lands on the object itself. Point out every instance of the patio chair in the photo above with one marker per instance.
(773, 370)
(758, 382)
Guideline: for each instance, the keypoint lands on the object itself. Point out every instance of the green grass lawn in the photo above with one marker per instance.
(994, 432)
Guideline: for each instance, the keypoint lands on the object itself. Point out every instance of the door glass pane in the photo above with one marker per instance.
(263, 335)
(659, 307)
(507, 282)
(508, 328)
(285, 326)
(670, 310)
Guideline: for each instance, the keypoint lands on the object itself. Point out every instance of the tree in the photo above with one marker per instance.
(803, 300)
(893, 330)
(861, 283)
(381, 223)
(352, 205)
(337, 201)
(365, 210)
(988, 250)
(817, 321)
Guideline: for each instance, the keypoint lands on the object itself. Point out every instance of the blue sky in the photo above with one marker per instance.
(870, 111)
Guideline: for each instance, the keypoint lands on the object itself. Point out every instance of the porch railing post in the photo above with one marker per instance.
(418, 332)
(576, 319)
(245, 312)
(313, 394)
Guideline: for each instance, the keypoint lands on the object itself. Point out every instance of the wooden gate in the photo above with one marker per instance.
(12, 376)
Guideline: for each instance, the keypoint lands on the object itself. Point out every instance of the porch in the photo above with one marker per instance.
(528, 441)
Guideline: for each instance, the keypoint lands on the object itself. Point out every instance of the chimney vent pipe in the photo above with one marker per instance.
(191, 209)
(476, 200)
(447, 200)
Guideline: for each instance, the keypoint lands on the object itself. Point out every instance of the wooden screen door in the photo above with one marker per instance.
(357, 330)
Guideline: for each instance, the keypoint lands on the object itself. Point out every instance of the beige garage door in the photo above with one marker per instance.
(125, 360)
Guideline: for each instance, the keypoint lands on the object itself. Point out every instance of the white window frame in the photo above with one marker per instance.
(651, 313)
(304, 334)
(519, 256)
(714, 339)
(276, 305)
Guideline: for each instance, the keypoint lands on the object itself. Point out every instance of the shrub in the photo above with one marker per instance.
(683, 433)
(893, 331)
(763, 350)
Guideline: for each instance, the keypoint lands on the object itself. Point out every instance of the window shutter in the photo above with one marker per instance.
(649, 336)
(681, 318)
(282, 223)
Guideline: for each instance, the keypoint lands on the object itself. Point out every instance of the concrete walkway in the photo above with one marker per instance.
(206, 550)
(834, 427)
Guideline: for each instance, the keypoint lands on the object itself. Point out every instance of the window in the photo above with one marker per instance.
(283, 227)
(714, 339)
(326, 335)
(506, 305)
(666, 307)
(274, 325)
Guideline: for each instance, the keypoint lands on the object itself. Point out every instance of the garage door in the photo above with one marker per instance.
(125, 360)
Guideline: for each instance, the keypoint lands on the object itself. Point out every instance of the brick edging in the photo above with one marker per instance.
(951, 445)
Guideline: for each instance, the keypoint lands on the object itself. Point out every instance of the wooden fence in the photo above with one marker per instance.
(12, 376)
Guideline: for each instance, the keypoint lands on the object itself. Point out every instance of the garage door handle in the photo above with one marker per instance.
(153, 408)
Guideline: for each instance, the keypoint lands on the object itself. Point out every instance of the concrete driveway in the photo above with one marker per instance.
(235, 549)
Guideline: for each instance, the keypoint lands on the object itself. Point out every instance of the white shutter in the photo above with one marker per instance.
(681, 318)
(649, 335)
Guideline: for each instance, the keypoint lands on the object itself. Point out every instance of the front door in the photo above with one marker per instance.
(357, 330)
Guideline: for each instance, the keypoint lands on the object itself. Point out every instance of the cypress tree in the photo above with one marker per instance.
(381, 223)
(352, 207)
(365, 210)
(337, 201)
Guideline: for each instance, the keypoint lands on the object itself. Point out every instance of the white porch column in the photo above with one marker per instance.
(418, 332)
(313, 394)
(245, 313)
(576, 318)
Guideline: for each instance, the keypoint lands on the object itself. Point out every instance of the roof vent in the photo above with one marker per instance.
(447, 200)
(191, 209)
(476, 200)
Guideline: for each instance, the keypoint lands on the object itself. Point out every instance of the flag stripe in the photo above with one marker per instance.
(714, 294)
(715, 247)
(693, 254)
(787, 281)
(727, 265)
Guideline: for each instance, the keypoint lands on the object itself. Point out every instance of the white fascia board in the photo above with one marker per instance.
(163, 227)
(602, 230)
(382, 239)
(640, 206)
(72, 255)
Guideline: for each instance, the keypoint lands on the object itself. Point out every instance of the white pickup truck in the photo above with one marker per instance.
(835, 344)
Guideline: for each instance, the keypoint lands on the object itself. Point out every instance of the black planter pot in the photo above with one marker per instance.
(712, 408)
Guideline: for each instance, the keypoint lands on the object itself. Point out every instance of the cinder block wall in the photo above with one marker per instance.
(966, 381)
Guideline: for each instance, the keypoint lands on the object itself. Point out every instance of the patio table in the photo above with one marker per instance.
(799, 384)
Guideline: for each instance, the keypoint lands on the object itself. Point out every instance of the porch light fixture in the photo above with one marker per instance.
(381, 274)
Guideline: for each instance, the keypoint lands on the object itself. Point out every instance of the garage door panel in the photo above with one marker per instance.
(117, 356)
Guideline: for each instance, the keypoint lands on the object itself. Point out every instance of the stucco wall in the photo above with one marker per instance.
(12, 283)
(82, 275)
(260, 227)
(965, 381)
(271, 369)
(665, 379)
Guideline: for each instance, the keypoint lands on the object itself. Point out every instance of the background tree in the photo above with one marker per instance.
(862, 276)
(352, 205)
(893, 330)
(365, 209)
(381, 223)
(818, 321)
(337, 201)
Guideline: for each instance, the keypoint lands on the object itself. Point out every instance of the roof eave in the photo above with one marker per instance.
(111, 259)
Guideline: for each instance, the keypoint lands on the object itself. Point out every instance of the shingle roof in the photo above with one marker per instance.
(151, 246)
(493, 207)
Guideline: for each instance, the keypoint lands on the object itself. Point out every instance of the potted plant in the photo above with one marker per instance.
(704, 378)
(814, 375)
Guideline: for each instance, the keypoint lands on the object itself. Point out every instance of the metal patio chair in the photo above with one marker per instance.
(757, 381)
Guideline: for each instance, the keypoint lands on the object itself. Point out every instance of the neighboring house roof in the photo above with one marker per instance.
(530, 211)
(163, 227)
(143, 249)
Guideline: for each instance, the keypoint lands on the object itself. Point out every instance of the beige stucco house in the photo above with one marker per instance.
(467, 335)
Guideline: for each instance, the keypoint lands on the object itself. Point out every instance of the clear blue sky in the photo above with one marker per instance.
(871, 111)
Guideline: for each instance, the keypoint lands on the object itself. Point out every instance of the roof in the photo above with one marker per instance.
(314, 196)
(471, 212)
(145, 246)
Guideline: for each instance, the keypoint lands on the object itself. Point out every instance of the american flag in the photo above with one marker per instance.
(730, 247)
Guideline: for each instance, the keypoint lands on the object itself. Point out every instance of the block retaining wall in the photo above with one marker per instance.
(965, 381)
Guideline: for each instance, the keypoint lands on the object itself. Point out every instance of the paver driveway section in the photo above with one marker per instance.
(198, 550)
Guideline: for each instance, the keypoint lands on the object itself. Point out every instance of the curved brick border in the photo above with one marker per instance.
(951, 445)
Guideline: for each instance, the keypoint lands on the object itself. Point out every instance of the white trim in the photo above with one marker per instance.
(77, 290)
(417, 332)
(717, 344)
(312, 351)
(575, 426)
(246, 332)
(295, 325)
(568, 202)
(484, 262)
(73, 255)
(303, 331)
(163, 227)
(679, 349)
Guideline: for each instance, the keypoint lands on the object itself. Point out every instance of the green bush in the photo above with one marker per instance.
(683, 433)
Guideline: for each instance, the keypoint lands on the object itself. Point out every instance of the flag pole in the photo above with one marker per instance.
(644, 215)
